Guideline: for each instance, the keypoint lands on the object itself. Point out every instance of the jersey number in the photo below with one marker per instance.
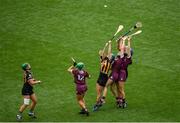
(80, 77)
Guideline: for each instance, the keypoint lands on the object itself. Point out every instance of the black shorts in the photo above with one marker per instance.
(102, 79)
(27, 91)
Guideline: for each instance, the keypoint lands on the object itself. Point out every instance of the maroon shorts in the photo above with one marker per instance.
(114, 76)
(81, 89)
(122, 75)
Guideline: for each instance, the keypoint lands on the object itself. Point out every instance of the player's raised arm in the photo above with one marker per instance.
(102, 53)
(122, 46)
(109, 50)
(70, 69)
(119, 43)
(128, 48)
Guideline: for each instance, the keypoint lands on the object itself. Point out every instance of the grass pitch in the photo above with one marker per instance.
(46, 33)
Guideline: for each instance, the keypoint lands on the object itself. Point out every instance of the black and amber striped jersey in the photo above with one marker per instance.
(27, 76)
(105, 65)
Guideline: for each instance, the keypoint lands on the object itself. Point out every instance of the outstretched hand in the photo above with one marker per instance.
(39, 81)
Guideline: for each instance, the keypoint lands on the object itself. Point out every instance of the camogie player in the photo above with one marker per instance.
(106, 60)
(125, 57)
(114, 76)
(27, 92)
(80, 76)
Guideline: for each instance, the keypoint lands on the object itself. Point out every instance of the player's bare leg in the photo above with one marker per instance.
(80, 99)
(122, 94)
(109, 82)
(115, 91)
(22, 108)
(33, 105)
(99, 90)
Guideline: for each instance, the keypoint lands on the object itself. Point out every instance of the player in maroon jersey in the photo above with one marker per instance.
(125, 58)
(80, 76)
(113, 79)
(119, 71)
(114, 76)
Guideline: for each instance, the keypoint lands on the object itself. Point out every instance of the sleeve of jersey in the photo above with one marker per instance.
(73, 71)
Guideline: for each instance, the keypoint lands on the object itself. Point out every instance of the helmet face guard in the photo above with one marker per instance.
(80, 65)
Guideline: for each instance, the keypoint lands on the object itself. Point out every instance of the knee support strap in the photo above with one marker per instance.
(26, 101)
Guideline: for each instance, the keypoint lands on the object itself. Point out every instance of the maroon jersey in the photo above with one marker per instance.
(123, 74)
(115, 69)
(80, 76)
(119, 69)
(125, 62)
(116, 65)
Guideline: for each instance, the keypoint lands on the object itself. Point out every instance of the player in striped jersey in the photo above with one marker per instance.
(27, 92)
(106, 59)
